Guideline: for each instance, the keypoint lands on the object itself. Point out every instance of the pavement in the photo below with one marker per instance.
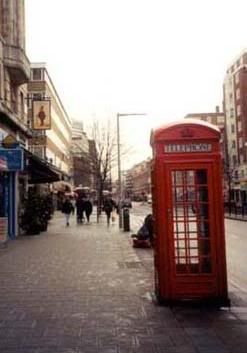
(84, 289)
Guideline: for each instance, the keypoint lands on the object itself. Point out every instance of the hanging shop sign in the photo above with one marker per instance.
(38, 141)
(42, 115)
(13, 159)
(9, 141)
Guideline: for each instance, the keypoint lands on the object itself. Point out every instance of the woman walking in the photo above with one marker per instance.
(67, 209)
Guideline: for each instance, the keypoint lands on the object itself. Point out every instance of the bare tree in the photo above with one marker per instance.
(102, 157)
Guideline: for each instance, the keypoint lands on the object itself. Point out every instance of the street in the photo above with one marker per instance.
(236, 248)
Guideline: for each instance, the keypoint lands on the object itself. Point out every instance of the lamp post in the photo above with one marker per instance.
(119, 164)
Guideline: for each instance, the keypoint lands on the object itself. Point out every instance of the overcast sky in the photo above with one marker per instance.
(166, 58)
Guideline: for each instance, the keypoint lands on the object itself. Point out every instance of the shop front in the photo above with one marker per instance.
(11, 163)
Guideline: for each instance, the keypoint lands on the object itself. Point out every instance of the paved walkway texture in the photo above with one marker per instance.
(85, 289)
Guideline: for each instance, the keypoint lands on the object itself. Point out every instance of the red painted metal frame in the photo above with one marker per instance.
(195, 281)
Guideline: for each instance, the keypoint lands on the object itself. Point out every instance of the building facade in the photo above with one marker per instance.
(50, 142)
(14, 130)
(235, 109)
(81, 152)
(217, 118)
(137, 183)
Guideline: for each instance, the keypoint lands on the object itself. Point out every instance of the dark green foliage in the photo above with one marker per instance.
(37, 212)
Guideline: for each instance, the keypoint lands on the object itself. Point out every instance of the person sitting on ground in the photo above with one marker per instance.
(144, 236)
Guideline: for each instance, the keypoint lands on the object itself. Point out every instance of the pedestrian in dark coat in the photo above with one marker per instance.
(79, 210)
(67, 209)
(88, 208)
(108, 207)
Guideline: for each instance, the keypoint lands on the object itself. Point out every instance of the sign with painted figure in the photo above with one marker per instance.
(13, 159)
(42, 115)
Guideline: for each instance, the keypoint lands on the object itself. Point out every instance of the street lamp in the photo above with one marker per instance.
(119, 164)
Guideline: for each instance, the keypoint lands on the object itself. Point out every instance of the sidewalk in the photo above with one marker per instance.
(237, 217)
(84, 289)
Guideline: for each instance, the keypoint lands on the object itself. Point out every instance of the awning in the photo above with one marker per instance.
(40, 171)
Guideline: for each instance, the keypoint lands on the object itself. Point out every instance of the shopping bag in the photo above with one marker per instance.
(113, 216)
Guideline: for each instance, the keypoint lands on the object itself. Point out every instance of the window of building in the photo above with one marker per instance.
(238, 93)
(234, 160)
(240, 142)
(232, 128)
(233, 144)
(29, 101)
(37, 96)
(232, 112)
(37, 74)
(22, 105)
(238, 110)
(220, 120)
(214, 120)
(239, 126)
(14, 102)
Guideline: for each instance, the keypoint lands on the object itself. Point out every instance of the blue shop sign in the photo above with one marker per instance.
(14, 158)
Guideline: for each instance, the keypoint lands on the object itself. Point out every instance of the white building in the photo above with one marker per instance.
(53, 144)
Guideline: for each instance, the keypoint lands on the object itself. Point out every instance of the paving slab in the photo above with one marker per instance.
(83, 288)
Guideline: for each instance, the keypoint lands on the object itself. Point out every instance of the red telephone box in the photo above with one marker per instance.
(190, 259)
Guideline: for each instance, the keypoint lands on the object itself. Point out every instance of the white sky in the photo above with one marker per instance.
(166, 58)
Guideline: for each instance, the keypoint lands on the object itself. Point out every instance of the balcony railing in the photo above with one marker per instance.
(18, 64)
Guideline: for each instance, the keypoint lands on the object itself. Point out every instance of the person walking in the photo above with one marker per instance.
(108, 207)
(79, 209)
(88, 208)
(67, 209)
